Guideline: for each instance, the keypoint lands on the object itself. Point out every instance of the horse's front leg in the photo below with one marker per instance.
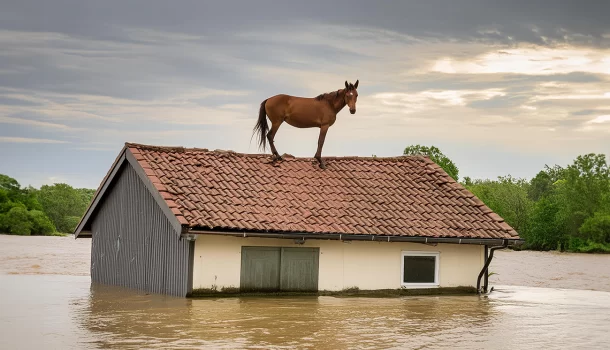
(321, 138)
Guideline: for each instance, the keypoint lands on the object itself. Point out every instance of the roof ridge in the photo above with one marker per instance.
(181, 149)
(157, 148)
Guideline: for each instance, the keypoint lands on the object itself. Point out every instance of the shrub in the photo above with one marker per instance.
(41, 224)
(17, 221)
(596, 228)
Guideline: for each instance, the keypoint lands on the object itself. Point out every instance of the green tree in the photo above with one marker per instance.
(16, 221)
(41, 224)
(542, 183)
(5, 201)
(29, 198)
(507, 197)
(71, 222)
(10, 185)
(547, 225)
(587, 185)
(64, 205)
(86, 195)
(437, 156)
(571, 205)
(13, 191)
(597, 228)
(39, 212)
(467, 181)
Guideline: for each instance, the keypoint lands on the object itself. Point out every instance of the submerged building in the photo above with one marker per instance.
(170, 220)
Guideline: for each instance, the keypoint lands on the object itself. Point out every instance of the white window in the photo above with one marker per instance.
(419, 269)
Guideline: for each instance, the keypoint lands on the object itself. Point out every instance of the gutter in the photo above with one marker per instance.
(362, 237)
(484, 269)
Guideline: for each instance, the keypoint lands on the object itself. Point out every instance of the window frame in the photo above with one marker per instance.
(434, 284)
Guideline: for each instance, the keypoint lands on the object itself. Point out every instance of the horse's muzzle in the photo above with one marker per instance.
(352, 111)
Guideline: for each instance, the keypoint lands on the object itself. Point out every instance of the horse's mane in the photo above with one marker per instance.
(329, 96)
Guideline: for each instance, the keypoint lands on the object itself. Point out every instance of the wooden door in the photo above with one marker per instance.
(299, 269)
(260, 269)
(268, 269)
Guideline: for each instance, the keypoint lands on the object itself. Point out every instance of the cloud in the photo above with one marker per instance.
(598, 125)
(600, 119)
(37, 123)
(407, 92)
(521, 20)
(536, 60)
(409, 104)
(101, 149)
(457, 74)
(151, 36)
(85, 111)
(51, 180)
(49, 105)
(139, 63)
(9, 139)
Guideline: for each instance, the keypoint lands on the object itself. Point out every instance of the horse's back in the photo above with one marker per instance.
(284, 98)
(284, 103)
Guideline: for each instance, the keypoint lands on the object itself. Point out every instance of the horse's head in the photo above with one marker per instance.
(351, 95)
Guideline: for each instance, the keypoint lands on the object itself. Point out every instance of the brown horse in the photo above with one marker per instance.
(302, 112)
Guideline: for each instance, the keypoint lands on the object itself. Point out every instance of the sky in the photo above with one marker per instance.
(501, 87)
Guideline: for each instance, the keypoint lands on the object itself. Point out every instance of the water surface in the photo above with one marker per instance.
(47, 301)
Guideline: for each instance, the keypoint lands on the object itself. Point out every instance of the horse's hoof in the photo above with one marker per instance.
(275, 159)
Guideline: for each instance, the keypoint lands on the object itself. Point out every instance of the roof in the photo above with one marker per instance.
(227, 191)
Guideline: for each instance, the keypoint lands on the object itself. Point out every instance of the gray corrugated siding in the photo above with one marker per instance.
(133, 242)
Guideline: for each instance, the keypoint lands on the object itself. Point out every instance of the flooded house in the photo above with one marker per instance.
(171, 220)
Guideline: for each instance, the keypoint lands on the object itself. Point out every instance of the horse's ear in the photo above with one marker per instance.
(356, 85)
(346, 86)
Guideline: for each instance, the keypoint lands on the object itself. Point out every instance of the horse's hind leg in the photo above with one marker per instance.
(271, 136)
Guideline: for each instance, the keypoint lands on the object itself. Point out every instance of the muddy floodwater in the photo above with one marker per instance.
(540, 301)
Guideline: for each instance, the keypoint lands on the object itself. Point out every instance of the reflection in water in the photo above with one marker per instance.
(510, 318)
(54, 311)
(118, 317)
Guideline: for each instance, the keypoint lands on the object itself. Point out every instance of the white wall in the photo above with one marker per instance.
(366, 265)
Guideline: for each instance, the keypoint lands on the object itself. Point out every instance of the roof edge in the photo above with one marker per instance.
(363, 237)
(126, 155)
(157, 190)
(477, 202)
(99, 193)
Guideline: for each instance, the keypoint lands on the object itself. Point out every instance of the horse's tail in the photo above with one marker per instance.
(262, 127)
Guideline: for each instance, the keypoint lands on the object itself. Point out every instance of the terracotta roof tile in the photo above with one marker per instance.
(407, 196)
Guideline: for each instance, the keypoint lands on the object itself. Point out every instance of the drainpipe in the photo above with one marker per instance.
(486, 275)
(484, 270)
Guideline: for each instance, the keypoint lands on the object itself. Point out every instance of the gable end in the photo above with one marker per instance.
(124, 159)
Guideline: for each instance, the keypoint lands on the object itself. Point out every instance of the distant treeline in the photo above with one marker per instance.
(561, 208)
(49, 210)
